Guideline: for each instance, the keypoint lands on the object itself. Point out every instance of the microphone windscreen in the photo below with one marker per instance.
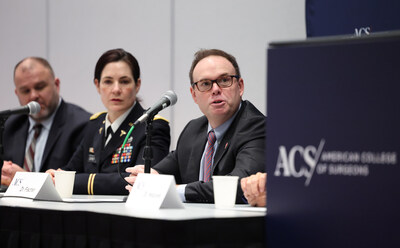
(34, 107)
(173, 98)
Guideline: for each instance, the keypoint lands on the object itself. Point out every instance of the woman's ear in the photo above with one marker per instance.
(97, 84)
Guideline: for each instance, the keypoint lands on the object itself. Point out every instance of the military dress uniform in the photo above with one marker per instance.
(96, 164)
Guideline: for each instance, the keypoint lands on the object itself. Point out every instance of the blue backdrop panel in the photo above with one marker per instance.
(337, 17)
(333, 143)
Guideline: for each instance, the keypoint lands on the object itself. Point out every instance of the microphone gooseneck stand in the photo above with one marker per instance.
(148, 153)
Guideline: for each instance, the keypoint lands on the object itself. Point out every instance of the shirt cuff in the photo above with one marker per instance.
(181, 191)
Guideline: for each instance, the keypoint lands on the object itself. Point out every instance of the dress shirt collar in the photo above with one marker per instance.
(221, 129)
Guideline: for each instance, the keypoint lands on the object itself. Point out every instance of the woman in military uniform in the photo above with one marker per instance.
(117, 79)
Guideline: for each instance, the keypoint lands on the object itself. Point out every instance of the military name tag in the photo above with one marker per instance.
(92, 157)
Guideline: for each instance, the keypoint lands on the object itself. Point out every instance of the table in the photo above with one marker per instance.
(29, 223)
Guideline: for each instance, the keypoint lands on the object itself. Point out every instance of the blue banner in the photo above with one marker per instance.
(333, 143)
(358, 17)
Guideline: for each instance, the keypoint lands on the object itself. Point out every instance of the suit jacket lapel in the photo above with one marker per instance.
(21, 138)
(98, 142)
(55, 131)
(225, 142)
(222, 148)
(199, 139)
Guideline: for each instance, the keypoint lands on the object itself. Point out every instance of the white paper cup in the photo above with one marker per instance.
(64, 181)
(225, 188)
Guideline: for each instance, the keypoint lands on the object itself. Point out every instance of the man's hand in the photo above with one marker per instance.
(254, 189)
(8, 172)
(134, 171)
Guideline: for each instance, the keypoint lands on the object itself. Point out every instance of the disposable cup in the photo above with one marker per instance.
(225, 188)
(64, 181)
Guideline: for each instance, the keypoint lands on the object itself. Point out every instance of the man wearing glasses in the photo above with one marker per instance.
(228, 140)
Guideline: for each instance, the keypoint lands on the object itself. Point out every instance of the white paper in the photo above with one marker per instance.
(153, 192)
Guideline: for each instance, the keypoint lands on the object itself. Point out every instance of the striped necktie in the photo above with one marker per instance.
(209, 156)
(30, 154)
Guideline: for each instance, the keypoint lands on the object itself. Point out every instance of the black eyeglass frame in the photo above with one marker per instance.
(215, 81)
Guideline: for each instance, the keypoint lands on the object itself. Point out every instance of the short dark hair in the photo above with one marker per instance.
(203, 53)
(40, 60)
(115, 55)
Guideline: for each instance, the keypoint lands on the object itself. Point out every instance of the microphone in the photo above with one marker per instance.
(31, 108)
(169, 98)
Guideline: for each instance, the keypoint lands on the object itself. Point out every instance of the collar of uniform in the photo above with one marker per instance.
(115, 125)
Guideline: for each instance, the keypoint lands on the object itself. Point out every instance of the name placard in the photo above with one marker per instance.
(154, 192)
(33, 185)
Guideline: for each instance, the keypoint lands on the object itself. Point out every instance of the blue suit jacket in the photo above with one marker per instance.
(64, 137)
(240, 153)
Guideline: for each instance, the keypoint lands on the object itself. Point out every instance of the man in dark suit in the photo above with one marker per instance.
(56, 130)
(228, 140)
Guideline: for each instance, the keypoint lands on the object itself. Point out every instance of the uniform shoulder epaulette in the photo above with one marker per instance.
(159, 117)
(95, 116)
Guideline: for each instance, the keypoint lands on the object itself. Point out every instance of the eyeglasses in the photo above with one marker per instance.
(222, 82)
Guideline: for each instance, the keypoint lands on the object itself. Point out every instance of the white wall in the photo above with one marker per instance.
(162, 35)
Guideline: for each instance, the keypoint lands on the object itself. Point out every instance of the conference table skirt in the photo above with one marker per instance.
(28, 227)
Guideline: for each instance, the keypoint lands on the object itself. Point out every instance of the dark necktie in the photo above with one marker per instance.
(109, 133)
(209, 156)
(30, 154)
